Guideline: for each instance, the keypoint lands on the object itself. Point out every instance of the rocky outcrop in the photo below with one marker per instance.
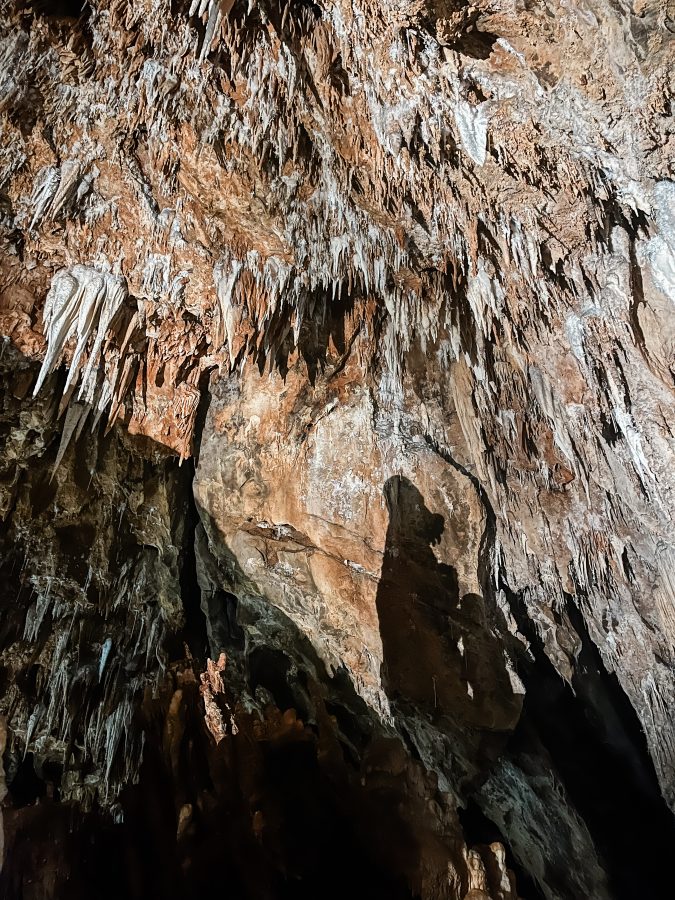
(337, 449)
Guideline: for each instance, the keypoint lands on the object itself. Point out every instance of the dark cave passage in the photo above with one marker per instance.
(195, 631)
(593, 736)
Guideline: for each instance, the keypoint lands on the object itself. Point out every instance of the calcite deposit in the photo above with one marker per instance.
(337, 492)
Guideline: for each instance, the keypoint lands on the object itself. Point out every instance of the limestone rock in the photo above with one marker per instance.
(394, 283)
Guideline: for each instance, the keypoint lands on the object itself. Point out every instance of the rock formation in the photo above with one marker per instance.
(337, 541)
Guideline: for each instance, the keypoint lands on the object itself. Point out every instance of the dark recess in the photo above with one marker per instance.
(59, 9)
(478, 829)
(194, 635)
(595, 739)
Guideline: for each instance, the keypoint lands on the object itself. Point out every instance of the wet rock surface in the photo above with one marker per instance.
(336, 467)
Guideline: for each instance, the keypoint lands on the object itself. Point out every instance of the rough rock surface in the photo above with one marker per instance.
(336, 486)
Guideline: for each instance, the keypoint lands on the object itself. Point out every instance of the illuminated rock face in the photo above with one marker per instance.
(338, 339)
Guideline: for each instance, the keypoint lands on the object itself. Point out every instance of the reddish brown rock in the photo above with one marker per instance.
(395, 284)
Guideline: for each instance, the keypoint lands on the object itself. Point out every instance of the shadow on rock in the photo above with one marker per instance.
(442, 658)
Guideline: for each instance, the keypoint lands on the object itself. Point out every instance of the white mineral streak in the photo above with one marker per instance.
(231, 313)
(660, 250)
(44, 190)
(472, 123)
(105, 653)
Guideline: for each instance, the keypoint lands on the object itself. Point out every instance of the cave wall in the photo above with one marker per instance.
(338, 338)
